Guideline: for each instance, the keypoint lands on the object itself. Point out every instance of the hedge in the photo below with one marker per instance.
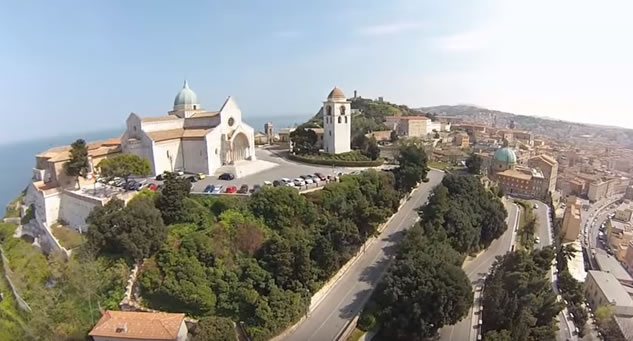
(338, 163)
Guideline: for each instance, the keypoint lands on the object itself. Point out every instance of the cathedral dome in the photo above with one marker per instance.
(506, 155)
(186, 96)
(336, 93)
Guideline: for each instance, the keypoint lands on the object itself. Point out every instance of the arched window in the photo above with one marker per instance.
(339, 119)
(345, 119)
(194, 107)
(328, 109)
(342, 110)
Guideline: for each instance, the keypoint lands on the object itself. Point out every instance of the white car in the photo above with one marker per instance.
(537, 240)
(536, 206)
(299, 182)
(268, 183)
(286, 180)
(217, 189)
(308, 181)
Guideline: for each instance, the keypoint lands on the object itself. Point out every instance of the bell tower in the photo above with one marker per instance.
(337, 123)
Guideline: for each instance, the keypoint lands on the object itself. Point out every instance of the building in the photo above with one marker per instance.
(610, 265)
(380, 135)
(571, 220)
(260, 138)
(129, 326)
(462, 140)
(625, 325)
(268, 130)
(415, 126)
(619, 234)
(549, 167)
(517, 180)
(189, 138)
(597, 190)
(337, 123)
(602, 288)
(628, 257)
(49, 165)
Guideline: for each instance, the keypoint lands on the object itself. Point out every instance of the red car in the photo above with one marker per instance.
(152, 187)
(231, 189)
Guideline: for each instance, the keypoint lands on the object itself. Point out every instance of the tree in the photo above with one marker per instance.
(134, 231)
(422, 292)
(78, 165)
(124, 166)
(473, 164)
(213, 328)
(372, 151)
(413, 166)
(304, 141)
(171, 200)
(359, 142)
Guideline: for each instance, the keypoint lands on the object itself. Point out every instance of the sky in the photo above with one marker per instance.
(75, 66)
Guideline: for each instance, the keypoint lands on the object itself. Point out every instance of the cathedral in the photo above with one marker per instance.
(190, 138)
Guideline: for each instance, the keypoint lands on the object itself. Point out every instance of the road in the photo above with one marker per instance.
(348, 296)
(475, 270)
(544, 232)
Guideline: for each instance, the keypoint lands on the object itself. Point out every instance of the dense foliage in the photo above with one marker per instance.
(78, 165)
(214, 328)
(124, 166)
(518, 300)
(258, 260)
(462, 208)
(474, 164)
(304, 141)
(134, 231)
(424, 289)
(172, 198)
(412, 168)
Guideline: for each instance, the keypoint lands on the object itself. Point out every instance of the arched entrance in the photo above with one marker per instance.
(241, 147)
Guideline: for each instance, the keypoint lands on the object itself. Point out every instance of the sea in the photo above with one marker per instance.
(18, 158)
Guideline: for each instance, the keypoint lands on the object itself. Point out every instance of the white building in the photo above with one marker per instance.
(337, 123)
(190, 138)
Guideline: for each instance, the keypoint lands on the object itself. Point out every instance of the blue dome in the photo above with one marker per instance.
(506, 155)
(186, 96)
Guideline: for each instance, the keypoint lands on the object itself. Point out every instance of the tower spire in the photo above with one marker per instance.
(185, 85)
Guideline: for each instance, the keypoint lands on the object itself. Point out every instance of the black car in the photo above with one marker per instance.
(256, 188)
(130, 185)
(243, 189)
(226, 176)
(276, 183)
(192, 178)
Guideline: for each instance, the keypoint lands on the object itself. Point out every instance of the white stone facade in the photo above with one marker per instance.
(337, 123)
(190, 138)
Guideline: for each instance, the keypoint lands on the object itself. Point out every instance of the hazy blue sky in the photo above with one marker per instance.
(68, 66)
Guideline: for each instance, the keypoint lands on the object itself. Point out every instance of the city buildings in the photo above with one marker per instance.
(190, 138)
(415, 126)
(337, 123)
(140, 326)
(571, 220)
(603, 288)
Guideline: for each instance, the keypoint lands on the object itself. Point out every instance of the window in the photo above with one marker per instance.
(328, 110)
(342, 110)
(345, 119)
(339, 119)
(195, 107)
(330, 133)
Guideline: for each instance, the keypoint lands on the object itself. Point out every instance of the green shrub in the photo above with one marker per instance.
(367, 321)
(336, 162)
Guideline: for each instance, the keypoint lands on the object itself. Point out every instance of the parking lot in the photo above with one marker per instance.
(284, 169)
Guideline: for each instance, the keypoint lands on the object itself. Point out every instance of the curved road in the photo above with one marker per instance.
(349, 294)
(475, 270)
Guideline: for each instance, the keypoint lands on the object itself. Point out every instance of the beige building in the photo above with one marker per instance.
(130, 326)
(549, 167)
(462, 140)
(619, 234)
(628, 257)
(571, 220)
(414, 126)
(602, 288)
(518, 180)
(597, 190)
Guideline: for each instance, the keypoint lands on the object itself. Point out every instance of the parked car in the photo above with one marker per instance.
(537, 240)
(268, 183)
(536, 206)
(179, 171)
(320, 176)
(231, 189)
(277, 183)
(129, 185)
(217, 189)
(303, 177)
(299, 182)
(226, 176)
(209, 189)
(201, 176)
(243, 189)
(285, 180)
(308, 180)
(256, 188)
(152, 187)
(160, 177)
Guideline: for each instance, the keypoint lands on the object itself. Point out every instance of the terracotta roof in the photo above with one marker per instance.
(160, 118)
(98, 148)
(204, 114)
(548, 159)
(515, 174)
(164, 135)
(137, 325)
(336, 93)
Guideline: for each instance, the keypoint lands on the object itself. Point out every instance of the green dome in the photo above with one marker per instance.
(506, 155)
(186, 96)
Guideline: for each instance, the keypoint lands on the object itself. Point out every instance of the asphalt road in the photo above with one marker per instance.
(348, 296)
(475, 270)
